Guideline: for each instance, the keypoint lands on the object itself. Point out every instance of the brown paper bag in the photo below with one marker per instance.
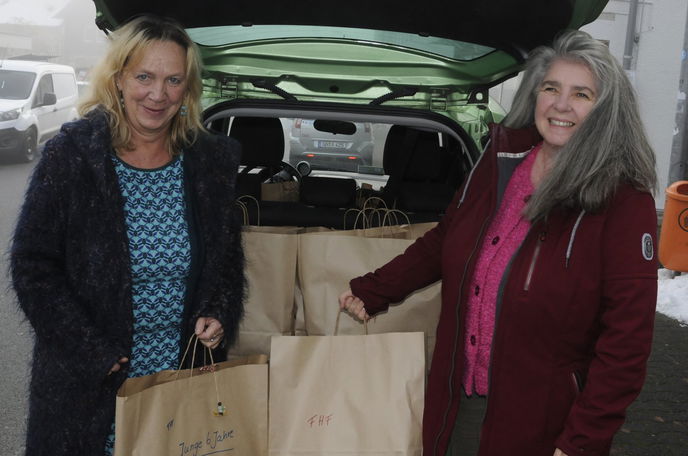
(346, 395)
(270, 253)
(273, 289)
(328, 261)
(279, 191)
(174, 412)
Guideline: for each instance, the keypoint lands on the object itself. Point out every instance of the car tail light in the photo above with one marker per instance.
(352, 158)
(310, 155)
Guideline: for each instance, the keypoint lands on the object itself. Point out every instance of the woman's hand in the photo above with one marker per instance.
(353, 305)
(209, 331)
(118, 365)
(558, 452)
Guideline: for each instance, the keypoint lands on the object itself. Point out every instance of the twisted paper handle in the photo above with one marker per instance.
(220, 409)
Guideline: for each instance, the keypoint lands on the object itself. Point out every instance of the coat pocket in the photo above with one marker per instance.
(533, 261)
(565, 388)
(577, 381)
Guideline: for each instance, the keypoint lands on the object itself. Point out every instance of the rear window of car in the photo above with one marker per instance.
(456, 50)
(358, 151)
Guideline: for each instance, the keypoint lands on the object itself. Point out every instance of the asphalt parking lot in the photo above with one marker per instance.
(657, 422)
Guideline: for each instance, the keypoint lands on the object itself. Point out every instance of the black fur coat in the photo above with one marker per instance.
(70, 270)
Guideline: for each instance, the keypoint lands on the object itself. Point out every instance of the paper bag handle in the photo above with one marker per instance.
(362, 215)
(193, 339)
(336, 324)
(392, 213)
(388, 218)
(220, 410)
(244, 208)
(244, 211)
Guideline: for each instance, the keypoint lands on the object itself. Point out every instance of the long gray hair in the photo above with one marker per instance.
(608, 148)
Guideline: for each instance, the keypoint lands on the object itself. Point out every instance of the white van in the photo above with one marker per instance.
(36, 98)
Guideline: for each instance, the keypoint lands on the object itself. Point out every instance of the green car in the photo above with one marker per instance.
(356, 101)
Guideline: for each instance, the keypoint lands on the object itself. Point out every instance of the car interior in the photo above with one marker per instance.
(418, 163)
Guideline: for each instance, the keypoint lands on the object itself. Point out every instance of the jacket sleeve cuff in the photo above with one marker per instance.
(364, 288)
(565, 445)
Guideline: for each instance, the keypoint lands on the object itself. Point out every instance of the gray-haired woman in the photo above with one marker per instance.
(548, 269)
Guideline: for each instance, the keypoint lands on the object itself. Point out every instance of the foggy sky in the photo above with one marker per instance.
(36, 12)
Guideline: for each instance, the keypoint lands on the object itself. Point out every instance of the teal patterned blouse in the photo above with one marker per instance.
(155, 214)
(160, 252)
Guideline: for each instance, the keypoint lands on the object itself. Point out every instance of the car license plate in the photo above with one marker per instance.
(331, 144)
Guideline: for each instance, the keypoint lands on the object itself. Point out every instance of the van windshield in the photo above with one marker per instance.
(16, 85)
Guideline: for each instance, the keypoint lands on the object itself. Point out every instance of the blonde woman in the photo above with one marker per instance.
(127, 243)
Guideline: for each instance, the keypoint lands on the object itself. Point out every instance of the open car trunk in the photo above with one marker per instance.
(337, 103)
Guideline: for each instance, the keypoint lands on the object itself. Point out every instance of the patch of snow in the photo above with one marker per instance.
(672, 295)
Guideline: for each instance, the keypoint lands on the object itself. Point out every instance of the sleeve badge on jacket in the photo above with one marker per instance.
(648, 249)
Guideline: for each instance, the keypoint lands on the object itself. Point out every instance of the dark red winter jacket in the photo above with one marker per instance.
(575, 314)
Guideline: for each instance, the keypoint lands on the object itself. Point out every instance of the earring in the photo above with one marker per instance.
(121, 100)
(183, 111)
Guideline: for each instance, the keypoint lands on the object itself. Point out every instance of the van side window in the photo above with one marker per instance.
(65, 85)
(45, 85)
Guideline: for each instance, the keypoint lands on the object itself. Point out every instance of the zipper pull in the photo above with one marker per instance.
(541, 238)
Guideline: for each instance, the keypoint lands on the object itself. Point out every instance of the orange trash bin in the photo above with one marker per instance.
(673, 237)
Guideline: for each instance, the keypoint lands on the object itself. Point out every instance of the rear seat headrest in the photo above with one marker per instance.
(425, 159)
(261, 138)
(328, 191)
(428, 162)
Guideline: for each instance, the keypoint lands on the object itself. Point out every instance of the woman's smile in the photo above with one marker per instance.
(566, 97)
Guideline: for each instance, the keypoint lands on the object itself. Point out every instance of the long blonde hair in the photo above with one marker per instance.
(127, 44)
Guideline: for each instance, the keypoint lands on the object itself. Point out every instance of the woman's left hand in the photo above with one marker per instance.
(558, 452)
(209, 331)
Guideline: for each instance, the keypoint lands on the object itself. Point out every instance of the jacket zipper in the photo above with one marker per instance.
(452, 368)
(456, 336)
(500, 293)
(536, 254)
